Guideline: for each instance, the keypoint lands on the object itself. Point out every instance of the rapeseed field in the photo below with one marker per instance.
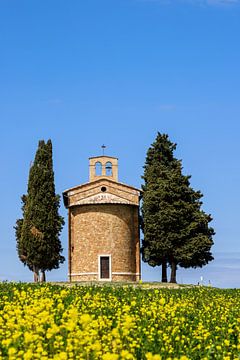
(111, 323)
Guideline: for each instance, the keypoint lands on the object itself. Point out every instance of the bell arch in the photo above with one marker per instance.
(108, 168)
(98, 168)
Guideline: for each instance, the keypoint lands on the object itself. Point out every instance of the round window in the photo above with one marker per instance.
(103, 189)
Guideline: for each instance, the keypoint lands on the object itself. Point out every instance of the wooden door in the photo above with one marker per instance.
(104, 267)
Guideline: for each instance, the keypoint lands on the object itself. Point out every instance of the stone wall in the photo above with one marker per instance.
(104, 229)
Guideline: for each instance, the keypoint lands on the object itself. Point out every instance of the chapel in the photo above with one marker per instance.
(103, 226)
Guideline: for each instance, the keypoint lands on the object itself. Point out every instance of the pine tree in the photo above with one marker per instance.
(37, 233)
(176, 230)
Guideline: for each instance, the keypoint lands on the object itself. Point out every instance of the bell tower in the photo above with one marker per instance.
(103, 167)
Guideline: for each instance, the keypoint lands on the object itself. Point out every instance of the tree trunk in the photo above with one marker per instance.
(164, 271)
(35, 274)
(43, 276)
(173, 272)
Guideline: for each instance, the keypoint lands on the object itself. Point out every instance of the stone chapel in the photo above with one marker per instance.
(103, 226)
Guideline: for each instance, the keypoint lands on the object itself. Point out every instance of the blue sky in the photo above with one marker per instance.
(85, 73)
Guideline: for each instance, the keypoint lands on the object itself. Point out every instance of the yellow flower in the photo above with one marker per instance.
(96, 346)
(150, 356)
(126, 355)
(27, 337)
(162, 301)
(109, 356)
(61, 356)
(12, 351)
(28, 355)
(85, 319)
(226, 342)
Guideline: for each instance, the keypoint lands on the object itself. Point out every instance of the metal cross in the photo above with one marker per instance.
(103, 148)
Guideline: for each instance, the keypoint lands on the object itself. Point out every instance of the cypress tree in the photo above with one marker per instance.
(37, 233)
(18, 233)
(176, 230)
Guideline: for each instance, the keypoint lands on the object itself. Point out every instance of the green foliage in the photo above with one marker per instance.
(175, 228)
(37, 233)
(18, 233)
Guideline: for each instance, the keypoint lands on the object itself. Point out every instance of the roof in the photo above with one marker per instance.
(99, 180)
(102, 156)
(101, 191)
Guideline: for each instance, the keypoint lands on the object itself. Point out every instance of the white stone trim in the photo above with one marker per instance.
(82, 274)
(125, 273)
(96, 273)
(110, 267)
(103, 198)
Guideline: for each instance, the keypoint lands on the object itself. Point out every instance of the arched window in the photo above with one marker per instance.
(108, 168)
(98, 169)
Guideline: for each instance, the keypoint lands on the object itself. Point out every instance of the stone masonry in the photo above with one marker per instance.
(104, 242)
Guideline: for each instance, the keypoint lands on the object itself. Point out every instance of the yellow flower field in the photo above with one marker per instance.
(110, 323)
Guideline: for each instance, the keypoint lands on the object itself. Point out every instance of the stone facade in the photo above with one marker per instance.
(104, 239)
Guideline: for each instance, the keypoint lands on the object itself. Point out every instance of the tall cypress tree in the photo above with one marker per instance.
(176, 230)
(37, 233)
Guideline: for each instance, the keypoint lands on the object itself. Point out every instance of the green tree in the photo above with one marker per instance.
(18, 232)
(176, 229)
(37, 233)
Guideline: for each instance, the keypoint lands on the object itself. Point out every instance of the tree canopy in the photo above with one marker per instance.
(176, 229)
(37, 233)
